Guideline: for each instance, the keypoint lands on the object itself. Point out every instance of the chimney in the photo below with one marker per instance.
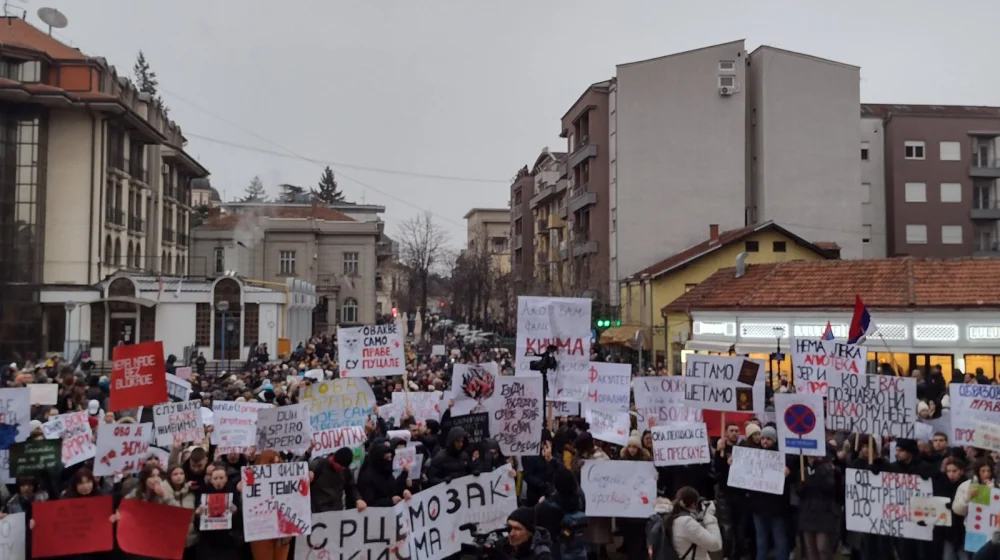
(713, 232)
(741, 267)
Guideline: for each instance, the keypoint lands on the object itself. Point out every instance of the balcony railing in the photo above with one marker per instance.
(182, 239)
(117, 161)
(114, 216)
(139, 173)
(168, 235)
(136, 224)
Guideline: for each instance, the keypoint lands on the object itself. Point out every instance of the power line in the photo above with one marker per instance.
(348, 165)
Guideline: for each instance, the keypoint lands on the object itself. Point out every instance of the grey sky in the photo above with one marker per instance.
(475, 89)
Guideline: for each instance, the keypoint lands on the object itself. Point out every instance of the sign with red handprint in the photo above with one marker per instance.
(122, 448)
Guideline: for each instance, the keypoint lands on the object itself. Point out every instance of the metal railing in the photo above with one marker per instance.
(136, 224)
(168, 235)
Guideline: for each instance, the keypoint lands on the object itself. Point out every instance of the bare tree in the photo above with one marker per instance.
(421, 250)
(473, 278)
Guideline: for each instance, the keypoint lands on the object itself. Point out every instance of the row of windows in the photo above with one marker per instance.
(287, 259)
(916, 234)
(754, 247)
(917, 192)
(916, 149)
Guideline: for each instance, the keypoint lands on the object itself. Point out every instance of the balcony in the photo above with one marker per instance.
(583, 151)
(117, 162)
(139, 174)
(136, 224)
(984, 210)
(584, 247)
(546, 192)
(114, 216)
(984, 167)
(168, 235)
(581, 198)
(541, 227)
(517, 241)
(986, 248)
(327, 283)
(182, 239)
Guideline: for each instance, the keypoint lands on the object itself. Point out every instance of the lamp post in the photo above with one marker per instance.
(230, 327)
(777, 356)
(223, 306)
(70, 306)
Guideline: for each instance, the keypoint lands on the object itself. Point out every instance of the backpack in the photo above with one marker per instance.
(571, 540)
(664, 549)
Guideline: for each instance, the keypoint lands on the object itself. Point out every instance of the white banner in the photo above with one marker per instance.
(15, 417)
(680, 443)
(12, 537)
(605, 384)
(371, 351)
(607, 424)
(423, 406)
(800, 423)
(814, 361)
(971, 403)
(760, 470)
(276, 501)
(285, 428)
(44, 393)
(178, 422)
(77, 438)
(235, 425)
(660, 400)
(560, 322)
(878, 405)
(329, 441)
(516, 415)
(879, 504)
(619, 488)
(986, 436)
(726, 383)
(121, 448)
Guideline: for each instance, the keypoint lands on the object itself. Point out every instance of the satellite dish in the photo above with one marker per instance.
(53, 18)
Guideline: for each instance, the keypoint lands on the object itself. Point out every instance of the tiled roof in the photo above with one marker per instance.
(725, 238)
(883, 110)
(18, 33)
(226, 221)
(882, 283)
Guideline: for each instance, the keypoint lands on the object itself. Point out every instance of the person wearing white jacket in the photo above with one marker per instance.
(693, 535)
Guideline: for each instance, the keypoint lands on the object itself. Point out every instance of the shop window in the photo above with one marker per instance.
(988, 363)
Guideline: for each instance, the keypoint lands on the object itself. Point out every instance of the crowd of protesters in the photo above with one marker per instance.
(699, 515)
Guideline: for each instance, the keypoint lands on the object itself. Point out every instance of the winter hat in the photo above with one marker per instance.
(525, 516)
(908, 445)
(770, 433)
(634, 439)
(343, 457)
(93, 407)
(564, 482)
(751, 429)
(922, 407)
(35, 425)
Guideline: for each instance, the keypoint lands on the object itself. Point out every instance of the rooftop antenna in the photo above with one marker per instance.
(7, 6)
(53, 18)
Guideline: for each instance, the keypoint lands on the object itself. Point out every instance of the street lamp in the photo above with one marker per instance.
(223, 307)
(70, 306)
(778, 333)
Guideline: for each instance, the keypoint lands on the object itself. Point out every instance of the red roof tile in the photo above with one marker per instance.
(318, 212)
(885, 109)
(881, 283)
(18, 33)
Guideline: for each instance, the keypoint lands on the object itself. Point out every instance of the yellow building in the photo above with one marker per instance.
(645, 293)
(488, 230)
(548, 209)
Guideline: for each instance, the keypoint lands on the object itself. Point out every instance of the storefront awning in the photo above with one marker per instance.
(624, 335)
(145, 302)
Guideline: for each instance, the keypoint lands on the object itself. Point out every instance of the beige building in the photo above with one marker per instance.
(97, 181)
(549, 210)
(490, 226)
(271, 243)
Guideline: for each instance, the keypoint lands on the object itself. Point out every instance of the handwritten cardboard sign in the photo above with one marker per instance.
(560, 322)
(815, 360)
(681, 443)
(971, 404)
(986, 436)
(338, 402)
(760, 470)
(276, 500)
(77, 438)
(285, 428)
(516, 415)
(178, 422)
(727, 383)
(121, 448)
(32, 457)
(235, 425)
(879, 504)
(371, 351)
(604, 384)
(15, 416)
(660, 400)
(472, 385)
(619, 488)
(607, 424)
(872, 404)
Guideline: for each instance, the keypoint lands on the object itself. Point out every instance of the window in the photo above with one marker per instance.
(913, 150)
(778, 247)
(349, 311)
(951, 235)
(727, 66)
(689, 287)
(866, 234)
(951, 192)
(916, 234)
(864, 151)
(751, 247)
(351, 264)
(866, 193)
(916, 192)
(220, 260)
(286, 263)
(727, 81)
(951, 151)
(614, 219)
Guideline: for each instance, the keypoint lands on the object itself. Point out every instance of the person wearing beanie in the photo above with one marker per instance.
(752, 432)
(525, 540)
(771, 511)
(333, 487)
(768, 432)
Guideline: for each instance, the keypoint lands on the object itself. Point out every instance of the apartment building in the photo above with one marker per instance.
(488, 229)
(549, 210)
(721, 136)
(940, 183)
(873, 210)
(522, 230)
(96, 180)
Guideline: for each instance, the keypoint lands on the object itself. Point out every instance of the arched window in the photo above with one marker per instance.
(130, 258)
(179, 266)
(349, 311)
(117, 260)
(138, 256)
(107, 251)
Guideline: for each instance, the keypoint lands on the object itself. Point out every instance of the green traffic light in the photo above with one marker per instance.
(618, 323)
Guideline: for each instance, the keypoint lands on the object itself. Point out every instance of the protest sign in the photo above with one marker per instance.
(659, 400)
(423, 406)
(15, 416)
(71, 526)
(879, 504)
(328, 441)
(878, 405)
(472, 385)
(284, 428)
(516, 415)
(971, 403)
(12, 537)
(437, 350)
(121, 448)
(408, 458)
(560, 322)
(607, 424)
(932, 510)
(53, 428)
(77, 438)
(619, 488)
(178, 422)
(138, 376)
(815, 360)
(235, 425)
(605, 384)
(760, 470)
(490, 498)
(376, 532)
(371, 351)
(983, 516)
(164, 539)
(276, 500)
(32, 457)
(986, 436)
(183, 373)
(338, 402)
(680, 443)
(217, 511)
(476, 426)
(727, 383)
(563, 408)
(44, 393)
(800, 423)
(178, 389)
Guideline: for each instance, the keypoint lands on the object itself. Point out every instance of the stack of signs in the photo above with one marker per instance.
(815, 361)
(371, 351)
(800, 423)
(726, 383)
(982, 519)
(876, 405)
(971, 404)
(560, 322)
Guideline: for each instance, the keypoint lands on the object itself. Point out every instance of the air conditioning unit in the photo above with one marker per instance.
(726, 91)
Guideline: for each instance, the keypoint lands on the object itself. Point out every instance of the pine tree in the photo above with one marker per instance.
(327, 191)
(145, 80)
(291, 193)
(255, 191)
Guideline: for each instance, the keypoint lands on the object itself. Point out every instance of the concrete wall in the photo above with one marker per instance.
(873, 173)
(175, 326)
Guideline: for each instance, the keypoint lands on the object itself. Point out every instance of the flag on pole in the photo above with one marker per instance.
(860, 322)
(828, 333)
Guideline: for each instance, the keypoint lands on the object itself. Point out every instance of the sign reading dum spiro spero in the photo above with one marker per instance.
(138, 376)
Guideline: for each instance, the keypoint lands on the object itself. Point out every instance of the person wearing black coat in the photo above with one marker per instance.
(819, 510)
(377, 486)
(452, 461)
(539, 473)
(566, 498)
(333, 487)
(946, 484)
(908, 461)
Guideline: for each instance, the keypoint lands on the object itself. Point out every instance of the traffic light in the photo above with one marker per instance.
(603, 323)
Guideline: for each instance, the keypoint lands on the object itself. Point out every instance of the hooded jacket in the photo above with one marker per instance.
(449, 463)
(375, 481)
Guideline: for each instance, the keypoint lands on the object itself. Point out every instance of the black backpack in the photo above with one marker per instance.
(666, 549)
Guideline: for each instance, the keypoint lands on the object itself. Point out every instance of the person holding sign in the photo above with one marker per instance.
(220, 544)
(376, 484)
(770, 511)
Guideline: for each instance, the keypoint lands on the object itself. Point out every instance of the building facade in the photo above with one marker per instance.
(522, 230)
(940, 179)
(873, 209)
(549, 210)
(96, 180)
(488, 231)
(270, 243)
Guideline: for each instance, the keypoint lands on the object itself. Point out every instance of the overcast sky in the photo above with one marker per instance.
(475, 89)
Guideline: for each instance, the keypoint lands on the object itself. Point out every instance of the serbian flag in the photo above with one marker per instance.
(860, 322)
(828, 333)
